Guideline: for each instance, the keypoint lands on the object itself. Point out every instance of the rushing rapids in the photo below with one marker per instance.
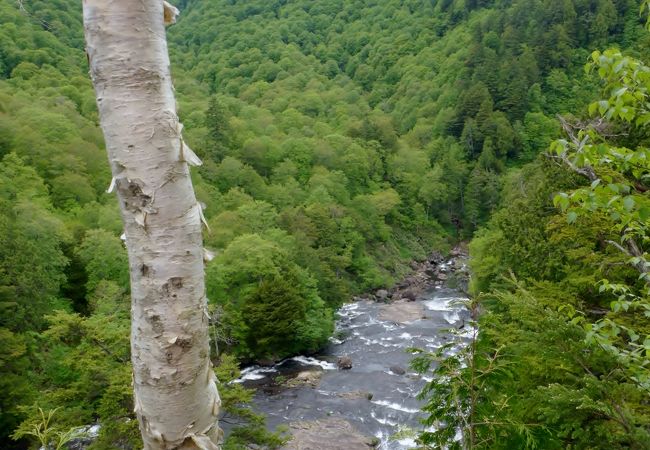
(377, 395)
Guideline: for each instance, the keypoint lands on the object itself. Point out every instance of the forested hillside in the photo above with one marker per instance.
(341, 140)
(561, 279)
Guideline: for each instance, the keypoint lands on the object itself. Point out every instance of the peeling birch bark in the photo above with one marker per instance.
(175, 393)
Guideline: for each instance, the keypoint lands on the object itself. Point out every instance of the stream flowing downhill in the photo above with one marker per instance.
(377, 395)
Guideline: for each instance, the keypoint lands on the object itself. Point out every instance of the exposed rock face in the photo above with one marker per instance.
(327, 434)
(402, 311)
(344, 363)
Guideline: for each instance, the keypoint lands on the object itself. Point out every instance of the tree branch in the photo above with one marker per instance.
(569, 129)
(634, 251)
(109, 352)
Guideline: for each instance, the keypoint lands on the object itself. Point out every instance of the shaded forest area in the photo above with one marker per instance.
(341, 140)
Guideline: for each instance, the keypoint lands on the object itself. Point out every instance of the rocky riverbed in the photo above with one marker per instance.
(360, 390)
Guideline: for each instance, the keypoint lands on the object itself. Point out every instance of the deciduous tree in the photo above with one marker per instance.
(176, 398)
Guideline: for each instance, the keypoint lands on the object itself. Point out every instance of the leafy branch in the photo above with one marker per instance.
(619, 183)
(50, 437)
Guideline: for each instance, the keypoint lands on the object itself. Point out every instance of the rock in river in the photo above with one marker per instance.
(327, 434)
(344, 363)
(356, 395)
(309, 378)
(402, 311)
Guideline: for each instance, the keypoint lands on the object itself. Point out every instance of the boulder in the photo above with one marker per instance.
(86, 436)
(459, 250)
(354, 395)
(409, 295)
(381, 294)
(266, 362)
(401, 311)
(309, 378)
(397, 370)
(344, 363)
(433, 273)
(436, 258)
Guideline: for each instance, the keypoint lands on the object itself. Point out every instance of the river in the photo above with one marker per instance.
(378, 349)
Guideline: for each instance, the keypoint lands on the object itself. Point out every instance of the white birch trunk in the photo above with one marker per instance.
(175, 394)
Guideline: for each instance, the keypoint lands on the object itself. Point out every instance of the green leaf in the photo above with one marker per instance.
(593, 108)
(571, 217)
(603, 106)
(561, 201)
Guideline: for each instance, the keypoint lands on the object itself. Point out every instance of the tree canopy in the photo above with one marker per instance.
(341, 140)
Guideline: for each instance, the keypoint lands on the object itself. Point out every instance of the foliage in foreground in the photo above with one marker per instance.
(562, 359)
(247, 427)
(529, 380)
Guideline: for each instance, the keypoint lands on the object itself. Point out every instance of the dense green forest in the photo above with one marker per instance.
(561, 279)
(341, 140)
